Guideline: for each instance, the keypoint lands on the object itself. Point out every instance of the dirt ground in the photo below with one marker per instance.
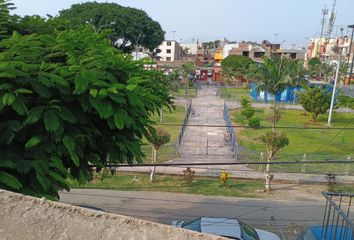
(296, 192)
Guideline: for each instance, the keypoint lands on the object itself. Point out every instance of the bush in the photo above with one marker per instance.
(245, 103)
(254, 122)
(248, 112)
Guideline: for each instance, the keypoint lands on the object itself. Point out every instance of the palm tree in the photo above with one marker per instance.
(274, 76)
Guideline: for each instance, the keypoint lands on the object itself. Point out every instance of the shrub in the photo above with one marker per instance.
(254, 122)
(245, 103)
(248, 112)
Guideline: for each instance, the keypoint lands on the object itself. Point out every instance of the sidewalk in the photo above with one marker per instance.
(244, 173)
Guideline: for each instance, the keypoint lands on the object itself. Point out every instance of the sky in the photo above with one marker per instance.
(290, 22)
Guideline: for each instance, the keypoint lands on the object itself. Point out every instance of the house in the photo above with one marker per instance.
(169, 51)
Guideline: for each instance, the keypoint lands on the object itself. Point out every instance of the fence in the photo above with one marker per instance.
(231, 132)
(184, 125)
(336, 224)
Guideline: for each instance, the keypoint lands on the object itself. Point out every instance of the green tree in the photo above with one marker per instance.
(187, 70)
(66, 101)
(158, 138)
(235, 66)
(274, 76)
(129, 25)
(274, 141)
(315, 100)
(5, 18)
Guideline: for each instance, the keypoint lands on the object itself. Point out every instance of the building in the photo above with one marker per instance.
(190, 48)
(168, 51)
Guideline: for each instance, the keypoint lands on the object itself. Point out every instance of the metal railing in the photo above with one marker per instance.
(184, 124)
(336, 224)
(231, 136)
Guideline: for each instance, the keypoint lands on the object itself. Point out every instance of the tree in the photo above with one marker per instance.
(315, 100)
(275, 75)
(130, 26)
(236, 66)
(274, 141)
(187, 70)
(5, 19)
(158, 138)
(67, 100)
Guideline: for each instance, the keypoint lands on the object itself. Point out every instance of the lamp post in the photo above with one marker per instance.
(98, 29)
(350, 49)
(136, 45)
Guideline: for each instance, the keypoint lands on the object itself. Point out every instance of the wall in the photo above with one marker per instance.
(23, 217)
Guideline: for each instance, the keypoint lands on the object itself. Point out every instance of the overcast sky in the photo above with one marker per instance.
(293, 20)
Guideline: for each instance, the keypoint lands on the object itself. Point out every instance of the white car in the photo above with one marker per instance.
(226, 227)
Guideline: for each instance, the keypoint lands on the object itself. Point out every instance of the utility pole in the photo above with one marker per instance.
(324, 13)
(334, 92)
(349, 51)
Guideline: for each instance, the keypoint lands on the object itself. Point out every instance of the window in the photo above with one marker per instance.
(168, 50)
(258, 54)
(168, 59)
(248, 233)
(168, 43)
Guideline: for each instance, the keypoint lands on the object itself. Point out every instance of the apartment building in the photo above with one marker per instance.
(168, 51)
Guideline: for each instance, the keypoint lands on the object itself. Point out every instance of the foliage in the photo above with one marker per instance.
(5, 18)
(248, 112)
(315, 100)
(66, 101)
(245, 103)
(275, 75)
(128, 24)
(274, 141)
(273, 114)
(346, 101)
(188, 174)
(224, 176)
(254, 122)
(236, 64)
(159, 138)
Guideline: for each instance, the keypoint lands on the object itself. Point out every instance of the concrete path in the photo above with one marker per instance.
(207, 109)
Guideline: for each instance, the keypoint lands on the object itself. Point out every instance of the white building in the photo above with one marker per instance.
(168, 51)
(227, 48)
(191, 48)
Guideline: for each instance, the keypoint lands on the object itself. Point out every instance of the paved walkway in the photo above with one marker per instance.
(207, 109)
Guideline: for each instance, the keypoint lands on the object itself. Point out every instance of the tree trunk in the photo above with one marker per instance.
(187, 87)
(161, 115)
(268, 177)
(274, 105)
(154, 160)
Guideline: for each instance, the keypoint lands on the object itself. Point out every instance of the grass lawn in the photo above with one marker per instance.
(167, 151)
(235, 93)
(324, 144)
(181, 92)
(164, 183)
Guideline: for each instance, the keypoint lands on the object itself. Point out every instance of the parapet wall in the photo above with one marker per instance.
(29, 218)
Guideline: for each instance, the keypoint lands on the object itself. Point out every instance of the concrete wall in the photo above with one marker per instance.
(23, 217)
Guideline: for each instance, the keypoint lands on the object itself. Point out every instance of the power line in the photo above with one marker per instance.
(261, 127)
(227, 163)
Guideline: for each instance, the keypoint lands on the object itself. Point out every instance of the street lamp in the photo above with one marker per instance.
(136, 45)
(350, 48)
(97, 30)
(334, 88)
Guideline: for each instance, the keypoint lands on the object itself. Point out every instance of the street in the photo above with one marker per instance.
(285, 218)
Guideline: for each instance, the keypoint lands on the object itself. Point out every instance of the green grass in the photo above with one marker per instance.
(344, 188)
(235, 93)
(181, 92)
(167, 151)
(316, 144)
(176, 184)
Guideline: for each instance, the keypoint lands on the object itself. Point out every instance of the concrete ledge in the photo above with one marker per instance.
(24, 217)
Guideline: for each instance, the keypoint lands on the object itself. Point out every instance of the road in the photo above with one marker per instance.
(280, 217)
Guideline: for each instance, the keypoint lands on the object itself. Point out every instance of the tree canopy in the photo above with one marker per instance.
(66, 101)
(236, 64)
(315, 100)
(129, 25)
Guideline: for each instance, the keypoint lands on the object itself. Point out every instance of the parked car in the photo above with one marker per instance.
(226, 227)
(333, 233)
